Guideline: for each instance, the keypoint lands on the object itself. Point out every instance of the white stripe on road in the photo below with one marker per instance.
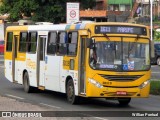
(154, 65)
(50, 105)
(13, 96)
(155, 72)
(100, 118)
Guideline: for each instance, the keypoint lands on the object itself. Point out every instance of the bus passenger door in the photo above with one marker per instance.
(41, 61)
(14, 57)
(82, 66)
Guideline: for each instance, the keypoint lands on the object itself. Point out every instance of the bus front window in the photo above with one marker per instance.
(104, 53)
(137, 55)
(118, 56)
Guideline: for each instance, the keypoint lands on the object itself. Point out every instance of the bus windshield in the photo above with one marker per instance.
(119, 56)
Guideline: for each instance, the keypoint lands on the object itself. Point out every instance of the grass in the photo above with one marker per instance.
(155, 87)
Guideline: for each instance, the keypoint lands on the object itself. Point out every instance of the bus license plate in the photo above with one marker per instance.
(121, 93)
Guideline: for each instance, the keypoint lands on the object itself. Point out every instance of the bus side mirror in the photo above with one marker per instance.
(90, 42)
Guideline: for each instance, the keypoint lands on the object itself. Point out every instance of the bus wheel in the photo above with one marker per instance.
(71, 97)
(124, 101)
(26, 84)
(158, 61)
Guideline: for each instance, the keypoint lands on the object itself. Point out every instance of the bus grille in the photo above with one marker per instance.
(122, 78)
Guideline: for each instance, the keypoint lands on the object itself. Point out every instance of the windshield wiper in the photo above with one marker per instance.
(133, 45)
(106, 36)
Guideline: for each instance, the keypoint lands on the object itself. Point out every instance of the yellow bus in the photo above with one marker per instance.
(98, 60)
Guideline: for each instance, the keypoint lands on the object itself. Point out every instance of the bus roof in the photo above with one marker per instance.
(67, 26)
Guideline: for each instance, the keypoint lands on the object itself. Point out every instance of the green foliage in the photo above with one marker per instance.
(155, 87)
(17, 8)
(44, 10)
(156, 35)
(52, 11)
(85, 4)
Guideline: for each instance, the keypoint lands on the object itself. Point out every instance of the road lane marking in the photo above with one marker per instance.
(154, 65)
(155, 72)
(50, 105)
(100, 118)
(13, 96)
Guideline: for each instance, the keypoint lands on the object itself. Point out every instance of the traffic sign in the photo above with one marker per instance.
(72, 12)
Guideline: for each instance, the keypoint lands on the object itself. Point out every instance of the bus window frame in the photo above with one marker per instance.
(53, 54)
(30, 42)
(78, 37)
(10, 41)
(24, 42)
(58, 42)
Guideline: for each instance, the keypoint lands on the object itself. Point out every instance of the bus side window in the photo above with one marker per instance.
(9, 41)
(72, 43)
(32, 42)
(23, 41)
(62, 43)
(51, 45)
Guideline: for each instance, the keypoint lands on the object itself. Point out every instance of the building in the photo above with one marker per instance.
(120, 10)
(98, 14)
(108, 10)
(146, 8)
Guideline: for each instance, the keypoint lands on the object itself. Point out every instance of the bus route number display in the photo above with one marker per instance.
(101, 29)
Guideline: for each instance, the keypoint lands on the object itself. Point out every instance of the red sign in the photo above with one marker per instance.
(73, 13)
(121, 93)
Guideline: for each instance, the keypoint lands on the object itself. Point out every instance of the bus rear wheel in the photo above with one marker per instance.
(70, 91)
(124, 101)
(26, 84)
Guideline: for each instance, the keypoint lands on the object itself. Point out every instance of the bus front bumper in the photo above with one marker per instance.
(94, 91)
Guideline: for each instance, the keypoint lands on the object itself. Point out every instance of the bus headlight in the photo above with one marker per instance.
(144, 84)
(97, 84)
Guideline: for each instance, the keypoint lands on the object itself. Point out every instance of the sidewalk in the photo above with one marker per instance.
(13, 105)
(9, 104)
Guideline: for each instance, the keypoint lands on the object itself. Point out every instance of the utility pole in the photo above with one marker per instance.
(151, 16)
(141, 8)
(158, 8)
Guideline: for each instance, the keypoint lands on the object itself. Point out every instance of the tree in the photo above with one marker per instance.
(156, 35)
(18, 8)
(51, 10)
(40, 10)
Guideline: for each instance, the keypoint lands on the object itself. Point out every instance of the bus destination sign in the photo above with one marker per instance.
(102, 29)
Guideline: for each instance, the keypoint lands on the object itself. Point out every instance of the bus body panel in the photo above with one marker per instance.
(8, 69)
(31, 64)
(46, 27)
(52, 72)
(8, 56)
(111, 87)
(21, 65)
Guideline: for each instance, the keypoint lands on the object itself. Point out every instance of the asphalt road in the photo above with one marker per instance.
(58, 102)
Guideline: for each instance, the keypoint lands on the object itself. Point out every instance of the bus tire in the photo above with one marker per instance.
(70, 91)
(26, 84)
(124, 101)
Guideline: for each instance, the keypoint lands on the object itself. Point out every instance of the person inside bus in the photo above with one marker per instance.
(93, 58)
(131, 55)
